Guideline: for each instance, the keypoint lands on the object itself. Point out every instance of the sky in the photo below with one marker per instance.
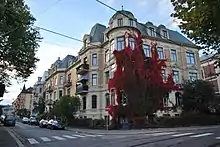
(76, 18)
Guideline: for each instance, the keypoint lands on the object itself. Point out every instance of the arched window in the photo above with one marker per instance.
(107, 99)
(94, 101)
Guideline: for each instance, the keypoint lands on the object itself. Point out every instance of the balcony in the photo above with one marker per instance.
(82, 69)
(83, 79)
(49, 102)
(82, 89)
(68, 83)
(49, 89)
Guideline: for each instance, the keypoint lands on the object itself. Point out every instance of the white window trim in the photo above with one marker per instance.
(177, 57)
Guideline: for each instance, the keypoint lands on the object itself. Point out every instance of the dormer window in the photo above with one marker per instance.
(164, 34)
(131, 22)
(120, 22)
(152, 32)
(70, 62)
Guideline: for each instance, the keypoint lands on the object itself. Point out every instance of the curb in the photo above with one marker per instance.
(17, 138)
(146, 132)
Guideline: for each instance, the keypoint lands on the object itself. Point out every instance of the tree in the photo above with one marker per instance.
(138, 81)
(199, 21)
(23, 113)
(18, 41)
(66, 106)
(197, 96)
(41, 105)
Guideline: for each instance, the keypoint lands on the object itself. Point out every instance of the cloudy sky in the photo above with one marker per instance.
(75, 18)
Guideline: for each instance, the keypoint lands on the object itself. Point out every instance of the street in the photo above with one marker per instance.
(33, 136)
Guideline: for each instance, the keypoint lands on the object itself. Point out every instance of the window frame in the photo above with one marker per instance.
(132, 43)
(121, 43)
(94, 99)
(172, 57)
(94, 78)
(146, 50)
(94, 59)
(120, 22)
(190, 58)
(160, 52)
(174, 75)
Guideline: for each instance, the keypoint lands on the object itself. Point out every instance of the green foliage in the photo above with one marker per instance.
(66, 106)
(18, 41)
(197, 96)
(199, 20)
(41, 105)
(23, 113)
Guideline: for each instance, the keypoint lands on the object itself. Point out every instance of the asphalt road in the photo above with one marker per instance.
(33, 136)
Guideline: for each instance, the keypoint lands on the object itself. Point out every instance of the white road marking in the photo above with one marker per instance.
(32, 141)
(78, 136)
(159, 134)
(58, 138)
(88, 135)
(70, 137)
(99, 135)
(201, 135)
(217, 138)
(45, 139)
(184, 134)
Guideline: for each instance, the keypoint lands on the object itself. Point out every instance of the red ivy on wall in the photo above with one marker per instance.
(139, 78)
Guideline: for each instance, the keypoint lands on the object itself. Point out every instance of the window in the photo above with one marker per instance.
(173, 55)
(160, 53)
(107, 56)
(164, 34)
(69, 77)
(131, 22)
(192, 76)
(131, 43)
(120, 43)
(54, 95)
(84, 103)
(61, 80)
(70, 62)
(176, 76)
(123, 98)
(94, 59)
(112, 97)
(146, 50)
(68, 91)
(112, 47)
(94, 80)
(107, 99)
(40, 90)
(190, 58)
(163, 72)
(94, 101)
(152, 33)
(166, 100)
(120, 22)
(106, 77)
(55, 81)
(177, 98)
(60, 93)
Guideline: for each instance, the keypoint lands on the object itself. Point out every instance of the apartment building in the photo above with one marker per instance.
(209, 72)
(24, 99)
(96, 62)
(55, 82)
(38, 92)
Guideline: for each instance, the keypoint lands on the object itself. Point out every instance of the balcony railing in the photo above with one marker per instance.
(68, 83)
(83, 78)
(82, 89)
(82, 69)
(49, 89)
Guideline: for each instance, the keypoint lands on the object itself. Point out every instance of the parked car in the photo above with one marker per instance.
(33, 121)
(9, 120)
(54, 124)
(25, 120)
(43, 123)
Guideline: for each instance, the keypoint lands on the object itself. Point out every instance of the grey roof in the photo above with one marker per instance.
(45, 75)
(97, 33)
(124, 12)
(205, 57)
(64, 63)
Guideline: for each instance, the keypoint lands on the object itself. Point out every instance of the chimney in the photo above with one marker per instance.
(58, 58)
(39, 79)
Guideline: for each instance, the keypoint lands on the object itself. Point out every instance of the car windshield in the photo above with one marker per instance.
(10, 117)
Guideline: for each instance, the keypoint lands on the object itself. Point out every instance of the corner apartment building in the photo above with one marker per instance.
(24, 99)
(55, 83)
(96, 62)
(209, 72)
(38, 91)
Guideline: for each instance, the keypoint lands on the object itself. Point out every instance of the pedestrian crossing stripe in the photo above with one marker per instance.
(45, 139)
(58, 138)
(68, 136)
(32, 141)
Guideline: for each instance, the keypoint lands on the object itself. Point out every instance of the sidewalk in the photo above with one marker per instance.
(139, 131)
(6, 140)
